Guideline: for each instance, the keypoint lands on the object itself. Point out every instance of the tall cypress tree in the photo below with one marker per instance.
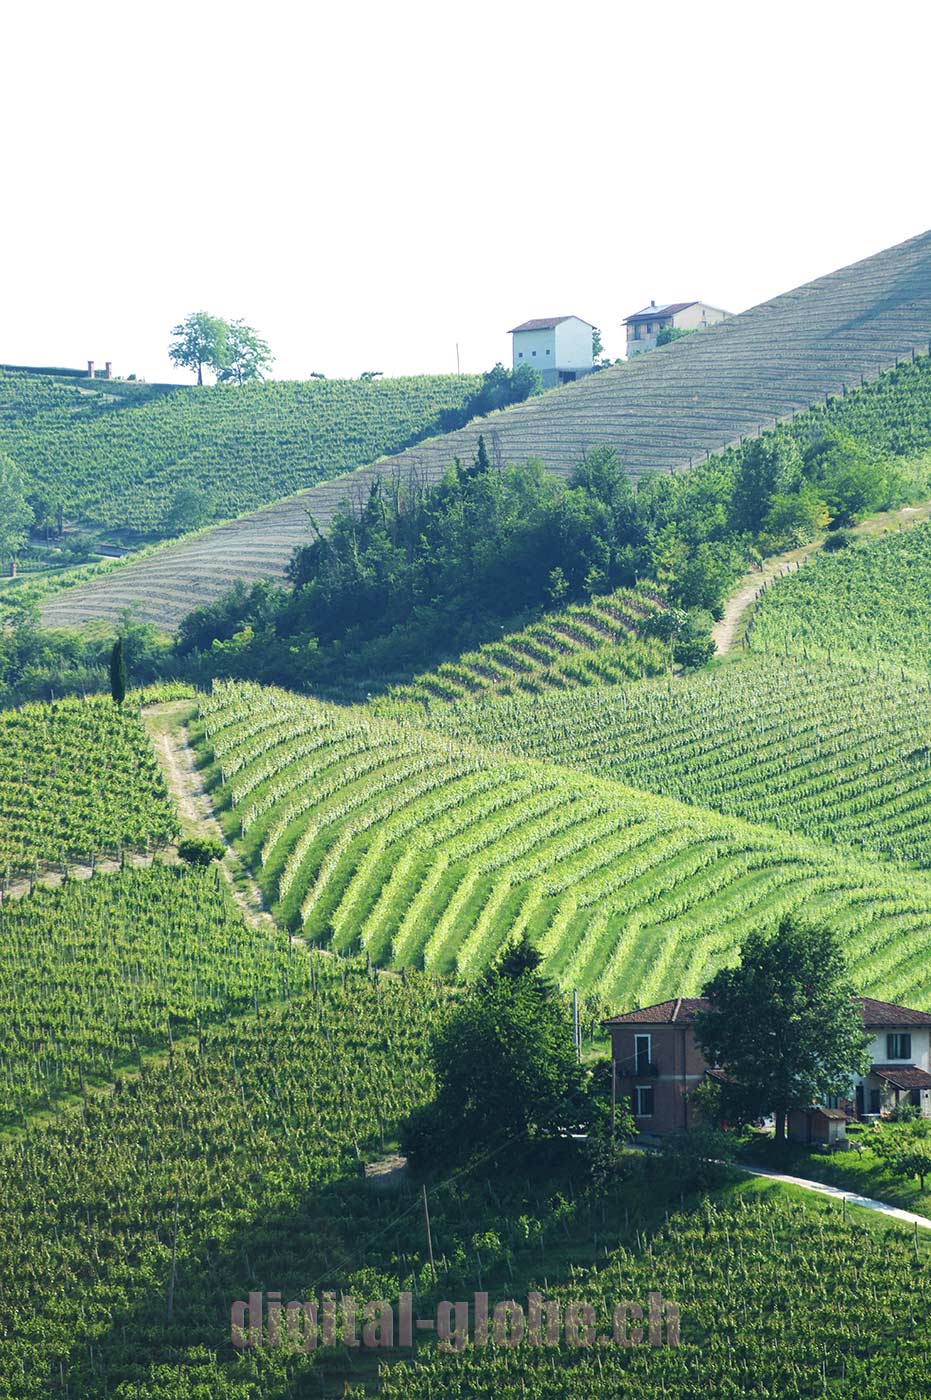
(118, 672)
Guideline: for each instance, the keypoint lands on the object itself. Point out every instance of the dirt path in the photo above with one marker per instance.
(732, 627)
(167, 726)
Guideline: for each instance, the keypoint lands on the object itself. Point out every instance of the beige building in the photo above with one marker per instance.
(644, 326)
(560, 347)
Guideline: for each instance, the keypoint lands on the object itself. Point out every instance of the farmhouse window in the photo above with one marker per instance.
(642, 1052)
(874, 1101)
(644, 1108)
(898, 1046)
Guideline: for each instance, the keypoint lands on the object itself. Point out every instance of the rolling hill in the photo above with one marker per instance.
(115, 453)
(432, 852)
(662, 411)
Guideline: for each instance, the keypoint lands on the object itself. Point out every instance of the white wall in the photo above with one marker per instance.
(573, 344)
(920, 1049)
(537, 348)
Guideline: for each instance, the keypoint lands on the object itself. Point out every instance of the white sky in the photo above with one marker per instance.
(369, 184)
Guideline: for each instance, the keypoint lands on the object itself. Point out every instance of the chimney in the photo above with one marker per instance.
(652, 303)
(108, 370)
(90, 369)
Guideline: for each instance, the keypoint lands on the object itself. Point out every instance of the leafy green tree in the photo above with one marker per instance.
(906, 1149)
(118, 680)
(505, 1065)
(783, 1025)
(189, 510)
(200, 343)
(16, 514)
(247, 356)
(672, 333)
(597, 347)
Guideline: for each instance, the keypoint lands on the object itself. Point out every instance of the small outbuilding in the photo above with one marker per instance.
(645, 327)
(826, 1127)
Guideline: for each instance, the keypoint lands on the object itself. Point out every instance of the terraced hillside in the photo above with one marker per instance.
(116, 454)
(427, 851)
(594, 643)
(840, 753)
(870, 601)
(662, 411)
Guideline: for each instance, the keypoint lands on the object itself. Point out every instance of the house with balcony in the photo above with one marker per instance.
(657, 1063)
(645, 327)
(560, 347)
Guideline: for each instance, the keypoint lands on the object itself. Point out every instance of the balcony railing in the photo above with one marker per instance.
(637, 1069)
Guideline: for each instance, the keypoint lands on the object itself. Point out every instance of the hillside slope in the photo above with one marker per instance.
(840, 753)
(661, 411)
(431, 852)
(116, 454)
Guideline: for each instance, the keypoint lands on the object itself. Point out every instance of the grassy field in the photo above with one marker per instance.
(426, 851)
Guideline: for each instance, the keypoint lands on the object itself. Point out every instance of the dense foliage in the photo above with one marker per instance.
(412, 574)
(78, 778)
(837, 752)
(118, 456)
(425, 850)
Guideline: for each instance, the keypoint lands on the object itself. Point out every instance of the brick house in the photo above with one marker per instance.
(644, 327)
(657, 1064)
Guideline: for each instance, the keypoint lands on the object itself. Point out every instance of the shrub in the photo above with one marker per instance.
(201, 850)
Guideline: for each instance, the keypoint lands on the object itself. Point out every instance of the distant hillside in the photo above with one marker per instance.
(662, 412)
(116, 453)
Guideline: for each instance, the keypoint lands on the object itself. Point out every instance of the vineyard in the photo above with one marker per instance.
(78, 778)
(792, 360)
(117, 456)
(248, 1138)
(422, 850)
(869, 601)
(97, 971)
(772, 1301)
(596, 643)
(839, 753)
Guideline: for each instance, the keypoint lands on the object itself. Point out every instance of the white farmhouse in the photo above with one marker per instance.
(560, 347)
(644, 326)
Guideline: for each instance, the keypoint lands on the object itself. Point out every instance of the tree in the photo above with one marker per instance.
(247, 355)
(505, 1065)
(671, 333)
(189, 510)
(597, 347)
(906, 1149)
(200, 343)
(783, 1025)
(16, 514)
(118, 672)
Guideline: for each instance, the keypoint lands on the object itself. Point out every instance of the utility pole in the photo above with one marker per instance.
(426, 1216)
(457, 358)
(576, 1027)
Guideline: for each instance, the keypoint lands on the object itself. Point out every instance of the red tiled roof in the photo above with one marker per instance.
(886, 1013)
(546, 323)
(650, 313)
(683, 1009)
(664, 1013)
(904, 1076)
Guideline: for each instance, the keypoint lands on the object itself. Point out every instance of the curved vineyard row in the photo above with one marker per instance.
(426, 851)
(594, 643)
(869, 601)
(94, 972)
(839, 753)
(78, 777)
(117, 459)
